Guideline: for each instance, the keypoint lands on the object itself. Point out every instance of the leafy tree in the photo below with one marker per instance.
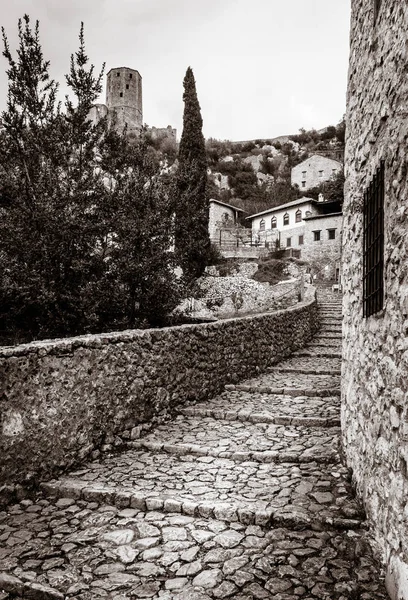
(333, 189)
(191, 209)
(140, 275)
(47, 164)
(67, 216)
(341, 131)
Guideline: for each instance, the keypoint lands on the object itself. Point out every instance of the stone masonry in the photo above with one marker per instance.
(241, 496)
(375, 350)
(313, 171)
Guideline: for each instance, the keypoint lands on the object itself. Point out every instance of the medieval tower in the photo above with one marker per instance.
(124, 98)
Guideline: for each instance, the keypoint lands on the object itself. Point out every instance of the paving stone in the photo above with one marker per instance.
(208, 579)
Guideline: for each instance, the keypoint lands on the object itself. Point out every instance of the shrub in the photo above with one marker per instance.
(271, 272)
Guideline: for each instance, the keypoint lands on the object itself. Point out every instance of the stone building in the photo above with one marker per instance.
(312, 228)
(313, 171)
(375, 277)
(222, 216)
(160, 133)
(124, 98)
(124, 104)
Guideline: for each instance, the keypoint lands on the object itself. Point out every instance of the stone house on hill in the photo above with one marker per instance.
(313, 171)
(310, 228)
(375, 277)
(222, 216)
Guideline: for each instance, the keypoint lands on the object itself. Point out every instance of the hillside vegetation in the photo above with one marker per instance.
(255, 175)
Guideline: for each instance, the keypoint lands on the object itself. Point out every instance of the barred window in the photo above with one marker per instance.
(373, 239)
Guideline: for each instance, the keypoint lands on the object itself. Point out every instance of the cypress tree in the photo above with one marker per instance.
(191, 226)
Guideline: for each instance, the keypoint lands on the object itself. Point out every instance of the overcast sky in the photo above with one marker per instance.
(263, 68)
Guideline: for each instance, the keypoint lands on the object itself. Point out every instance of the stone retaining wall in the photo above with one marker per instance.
(62, 399)
(375, 351)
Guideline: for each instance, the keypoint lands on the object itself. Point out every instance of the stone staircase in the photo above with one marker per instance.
(243, 496)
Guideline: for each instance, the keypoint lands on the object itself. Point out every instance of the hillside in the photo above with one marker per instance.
(255, 174)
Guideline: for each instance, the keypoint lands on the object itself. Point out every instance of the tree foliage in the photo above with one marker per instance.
(333, 189)
(81, 248)
(191, 207)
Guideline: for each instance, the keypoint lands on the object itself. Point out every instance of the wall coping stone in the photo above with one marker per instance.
(95, 340)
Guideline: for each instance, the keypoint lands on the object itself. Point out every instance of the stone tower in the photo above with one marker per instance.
(124, 98)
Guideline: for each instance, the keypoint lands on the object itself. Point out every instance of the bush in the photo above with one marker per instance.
(271, 272)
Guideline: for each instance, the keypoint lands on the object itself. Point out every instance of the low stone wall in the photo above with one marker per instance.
(62, 399)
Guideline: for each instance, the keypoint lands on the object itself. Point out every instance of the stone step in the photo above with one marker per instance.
(328, 336)
(289, 391)
(291, 383)
(304, 370)
(261, 417)
(334, 345)
(210, 487)
(333, 318)
(257, 406)
(90, 551)
(325, 329)
(318, 353)
(309, 361)
(331, 322)
(242, 441)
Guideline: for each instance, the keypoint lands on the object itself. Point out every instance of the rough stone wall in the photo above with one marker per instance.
(97, 112)
(325, 252)
(312, 167)
(216, 216)
(163, 132)
(375, 351)
(293, 234)
(62, 398)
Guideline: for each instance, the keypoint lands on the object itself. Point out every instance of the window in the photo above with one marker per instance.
(127, 86)
(262, 225)
(301, 240)
(118, 74)
(298, 216)
(130, 75)
(286, 219)
(373, 239)
(303, 183)
(321, 173)
(334, 171)
(288, 242)
(273, 223)
(121, 94)
(316, 236)
(304, 174)
(331, 234)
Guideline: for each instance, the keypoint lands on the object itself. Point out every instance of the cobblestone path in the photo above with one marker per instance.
(243, 496)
